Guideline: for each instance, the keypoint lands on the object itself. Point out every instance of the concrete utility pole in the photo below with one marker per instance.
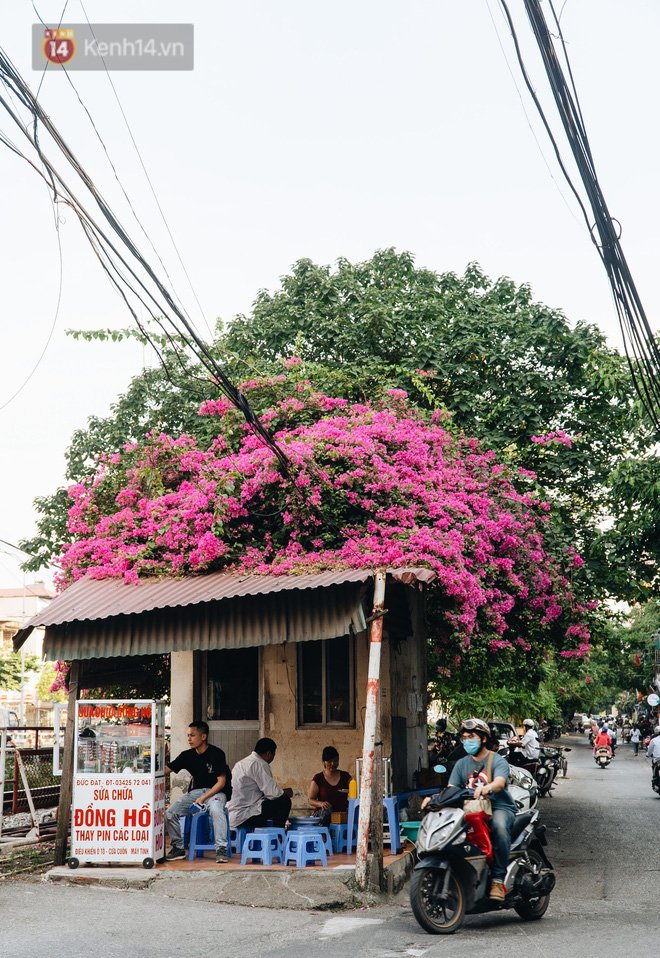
(368, 747)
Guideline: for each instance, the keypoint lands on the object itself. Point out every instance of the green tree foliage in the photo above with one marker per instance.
(47, 676)
(508, 369)
(10, 669)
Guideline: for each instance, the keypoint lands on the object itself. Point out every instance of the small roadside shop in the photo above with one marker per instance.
(279, 656)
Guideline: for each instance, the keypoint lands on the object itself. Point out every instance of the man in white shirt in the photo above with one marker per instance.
(653, 750)
(530, 741)
(256, 796)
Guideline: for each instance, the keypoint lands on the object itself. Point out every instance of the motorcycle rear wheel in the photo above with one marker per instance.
(437, 917)
(535, 908)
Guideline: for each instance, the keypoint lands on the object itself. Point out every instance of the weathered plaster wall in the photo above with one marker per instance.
(408, 704)
(298, 758)
(183, 713)
(299, 750)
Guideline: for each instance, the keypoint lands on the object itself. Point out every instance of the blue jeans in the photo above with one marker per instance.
(216, 809)
(500, 826)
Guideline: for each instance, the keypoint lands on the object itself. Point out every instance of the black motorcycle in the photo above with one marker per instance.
(553, 758)
(544, 769)
(655, 776)
(452, 877)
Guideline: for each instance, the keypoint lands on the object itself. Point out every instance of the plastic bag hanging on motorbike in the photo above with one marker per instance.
(477, 779)
(479, 833)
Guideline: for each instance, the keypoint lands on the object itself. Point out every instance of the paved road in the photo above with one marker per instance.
(601, 827)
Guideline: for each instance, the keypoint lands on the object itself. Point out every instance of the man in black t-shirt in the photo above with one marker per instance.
(210, 788)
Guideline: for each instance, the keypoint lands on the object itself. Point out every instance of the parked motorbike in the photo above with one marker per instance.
(522, 788)
(544, 769)
(554, 757)
(602, 756)
(452, 877)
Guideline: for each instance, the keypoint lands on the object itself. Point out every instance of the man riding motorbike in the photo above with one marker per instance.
(653, 752)
(443, 743)
(529, 743)
(470, 772)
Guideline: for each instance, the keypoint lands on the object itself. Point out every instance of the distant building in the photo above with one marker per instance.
(16, 607)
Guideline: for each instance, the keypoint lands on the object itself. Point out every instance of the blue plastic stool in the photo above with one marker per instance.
(340, 837)
(279, 833)
(236, 837)
(263, 847)
(305, 848)
(184, 824)
(321, 829)
(201, 825)
(324, 831)
(391, 807)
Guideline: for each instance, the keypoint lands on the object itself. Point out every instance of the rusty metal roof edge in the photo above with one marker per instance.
(77, 604)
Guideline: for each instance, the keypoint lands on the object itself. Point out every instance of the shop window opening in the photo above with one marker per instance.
(233, 685)
(326, 682)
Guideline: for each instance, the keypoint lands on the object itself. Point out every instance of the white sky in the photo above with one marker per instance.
(310, 130)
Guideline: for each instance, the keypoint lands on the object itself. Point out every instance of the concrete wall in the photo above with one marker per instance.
(182, 711)
(299, 750)
(408, 709)
(298, 759)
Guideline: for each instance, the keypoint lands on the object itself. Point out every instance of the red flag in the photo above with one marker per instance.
(637, 662)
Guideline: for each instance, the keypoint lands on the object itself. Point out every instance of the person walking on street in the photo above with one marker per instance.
(634, 738)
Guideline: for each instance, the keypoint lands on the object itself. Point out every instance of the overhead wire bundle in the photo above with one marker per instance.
(129, 272)
(641, 347)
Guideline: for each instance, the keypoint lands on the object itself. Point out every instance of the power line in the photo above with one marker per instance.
(529, 123)
(148, 178)
(121, 268)
(114, 170)
(641, 348)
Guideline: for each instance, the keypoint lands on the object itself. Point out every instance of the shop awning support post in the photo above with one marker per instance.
(66, 788)
(3, 771)
(370, 723)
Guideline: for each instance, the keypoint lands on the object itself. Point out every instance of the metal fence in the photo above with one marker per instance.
(35, 746)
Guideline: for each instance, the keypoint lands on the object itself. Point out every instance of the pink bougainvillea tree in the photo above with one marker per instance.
(370, 484)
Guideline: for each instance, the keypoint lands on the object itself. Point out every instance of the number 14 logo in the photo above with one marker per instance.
(59, 46)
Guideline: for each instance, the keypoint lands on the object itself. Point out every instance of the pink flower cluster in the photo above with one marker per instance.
(60, 680)
(560, 437)
(370, 484)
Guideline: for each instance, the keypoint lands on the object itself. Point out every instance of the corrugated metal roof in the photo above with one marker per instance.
(93, 599)
(234, 623)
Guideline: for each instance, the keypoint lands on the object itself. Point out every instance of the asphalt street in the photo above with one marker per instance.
(601, 830)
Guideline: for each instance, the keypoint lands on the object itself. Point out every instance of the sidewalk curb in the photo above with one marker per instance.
(296, 889)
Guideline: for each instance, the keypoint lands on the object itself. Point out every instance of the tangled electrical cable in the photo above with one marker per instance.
(642, 350)
(121, 268)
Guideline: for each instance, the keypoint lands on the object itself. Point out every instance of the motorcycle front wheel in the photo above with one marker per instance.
(547, 785)
(435, 915)
(535, 908)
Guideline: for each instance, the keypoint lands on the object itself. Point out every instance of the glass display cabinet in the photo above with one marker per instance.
(118, 802)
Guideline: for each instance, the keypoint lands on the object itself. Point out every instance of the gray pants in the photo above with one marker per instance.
(215, 807)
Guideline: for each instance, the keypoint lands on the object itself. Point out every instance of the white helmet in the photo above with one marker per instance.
(528, 723)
